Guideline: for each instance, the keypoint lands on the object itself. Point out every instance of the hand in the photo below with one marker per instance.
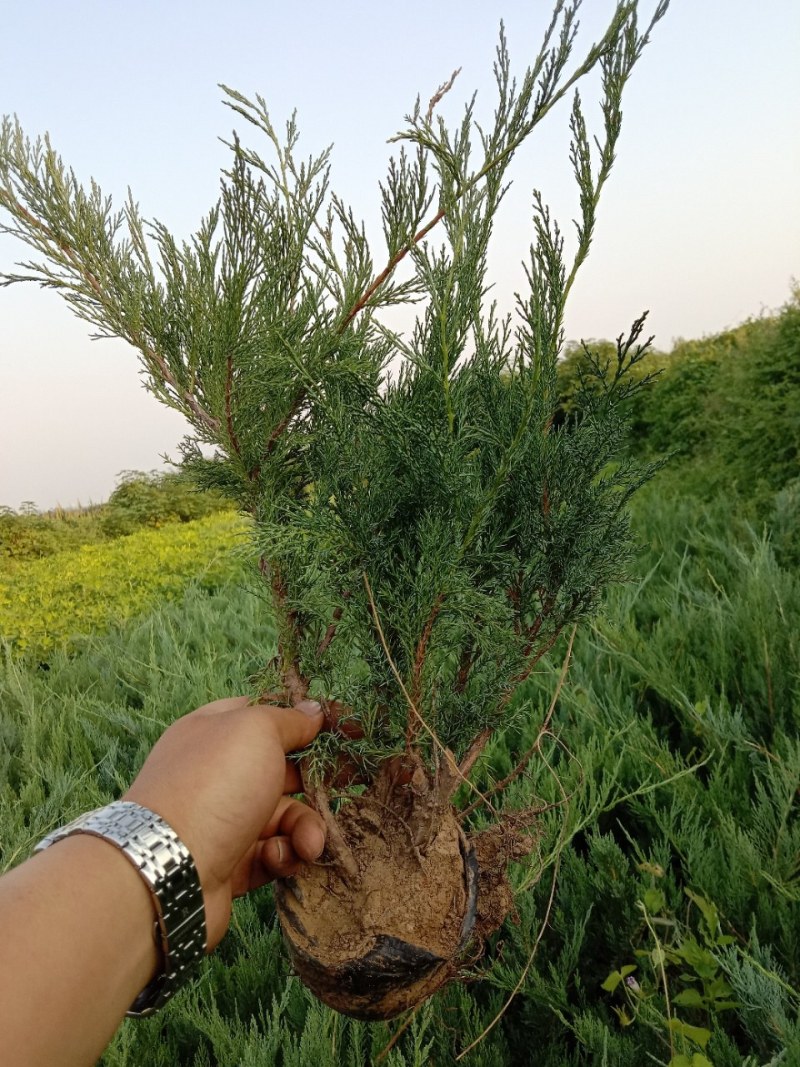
(219, 776)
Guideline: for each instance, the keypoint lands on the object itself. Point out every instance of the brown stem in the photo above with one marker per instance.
(228, 413)
(330, 633)
(419, 662)
(296, 684)
(474, 751)
(536, 625)
(488, 166)
(189, 400)
(272, 441)
(465, 666)
(498, 787)
(390, 266)
(335, 843)
(452, 775)
(525, 673)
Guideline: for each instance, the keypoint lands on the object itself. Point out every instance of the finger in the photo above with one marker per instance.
(298, 726)
(271, 859)
(278, 857)
(292, 782)
(305, 828)
(226, 704)
(295, 820)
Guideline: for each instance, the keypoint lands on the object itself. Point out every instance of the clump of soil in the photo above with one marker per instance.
(495, 848)
(374, 943)
(377, 946)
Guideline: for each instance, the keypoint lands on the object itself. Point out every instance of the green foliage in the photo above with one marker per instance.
(139, 500)
(426, 528)
(727, 407)
(51, 603)
(154, 499)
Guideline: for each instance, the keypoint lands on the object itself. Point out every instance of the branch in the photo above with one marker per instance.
(465, 666)
(541, 107)
(296, 684)
(498, 787)
(132, 337)
(330, 633)
(377, 282)
(228, 414)
(419, 663)
(440, 93)
(272, 441)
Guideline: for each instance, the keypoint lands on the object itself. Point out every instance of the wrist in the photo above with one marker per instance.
(166, 870)
(118, 896)
(215, 889)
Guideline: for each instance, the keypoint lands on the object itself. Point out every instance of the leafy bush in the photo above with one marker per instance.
(727, 407)
(27, 534)
(154, 500)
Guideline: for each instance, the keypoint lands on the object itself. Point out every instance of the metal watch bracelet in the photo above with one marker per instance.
(167, 867)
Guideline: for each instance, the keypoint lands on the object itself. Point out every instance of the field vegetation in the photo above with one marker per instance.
(55, 601)
(140, 500)
(667, 930)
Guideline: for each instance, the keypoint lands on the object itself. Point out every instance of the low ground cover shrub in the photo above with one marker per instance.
(51, 602)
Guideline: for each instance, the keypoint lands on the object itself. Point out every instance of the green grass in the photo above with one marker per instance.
(674, 767)
(668, 833)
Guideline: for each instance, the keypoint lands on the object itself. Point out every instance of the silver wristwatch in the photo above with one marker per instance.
(166, 865)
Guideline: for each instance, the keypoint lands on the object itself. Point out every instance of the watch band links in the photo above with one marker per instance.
(167, 867)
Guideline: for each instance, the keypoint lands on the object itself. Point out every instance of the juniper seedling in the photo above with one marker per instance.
(426, 527)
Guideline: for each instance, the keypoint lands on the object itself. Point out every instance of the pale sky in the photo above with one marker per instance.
(700, 221)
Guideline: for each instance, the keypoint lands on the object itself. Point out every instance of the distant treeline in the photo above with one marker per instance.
(140, 500)
(725, 409)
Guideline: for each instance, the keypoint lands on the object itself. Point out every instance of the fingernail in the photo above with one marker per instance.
(279, 845)
(309, 707)
(319, 848)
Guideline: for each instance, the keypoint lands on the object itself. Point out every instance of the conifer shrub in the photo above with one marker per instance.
(426, 529)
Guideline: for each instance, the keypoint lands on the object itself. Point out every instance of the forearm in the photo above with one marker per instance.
(77, 936)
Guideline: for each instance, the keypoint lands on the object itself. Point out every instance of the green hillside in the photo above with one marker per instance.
(659, 919)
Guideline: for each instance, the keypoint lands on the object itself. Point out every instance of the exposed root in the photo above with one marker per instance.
(335, 843)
